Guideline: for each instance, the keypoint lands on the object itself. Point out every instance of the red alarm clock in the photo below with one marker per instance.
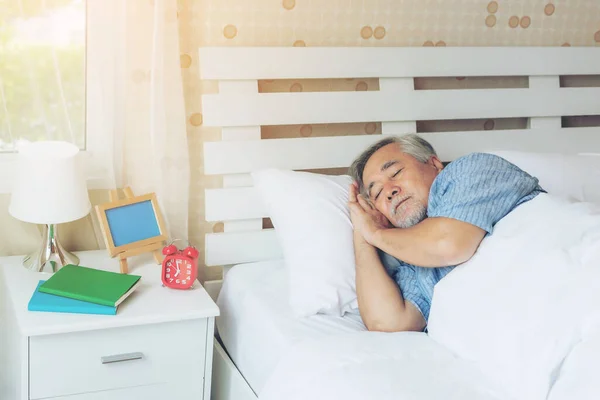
(179, 268)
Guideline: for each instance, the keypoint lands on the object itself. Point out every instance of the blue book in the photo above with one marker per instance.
(52, 303)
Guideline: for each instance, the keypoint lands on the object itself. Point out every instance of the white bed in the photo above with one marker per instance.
(252, 350)
(257, 328)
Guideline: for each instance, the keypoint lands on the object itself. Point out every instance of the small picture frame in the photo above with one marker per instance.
(131, 223)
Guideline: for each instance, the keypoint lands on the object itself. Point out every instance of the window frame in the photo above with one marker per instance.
(103, 63)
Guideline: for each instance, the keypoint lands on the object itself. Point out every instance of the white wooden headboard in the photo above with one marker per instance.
(241, 111)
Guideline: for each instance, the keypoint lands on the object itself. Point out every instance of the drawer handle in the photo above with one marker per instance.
(121, 357)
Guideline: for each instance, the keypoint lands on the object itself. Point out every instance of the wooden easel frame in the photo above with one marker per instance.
(148, 245)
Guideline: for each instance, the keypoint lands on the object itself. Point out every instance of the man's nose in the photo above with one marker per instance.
(392, 192)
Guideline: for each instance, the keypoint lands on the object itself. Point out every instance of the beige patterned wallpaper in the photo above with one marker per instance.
(361, 23)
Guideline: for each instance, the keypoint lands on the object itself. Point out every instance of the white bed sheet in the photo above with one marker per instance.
(257, 326)
(377, 365)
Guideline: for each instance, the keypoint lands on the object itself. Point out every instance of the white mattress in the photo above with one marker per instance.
(256, 324)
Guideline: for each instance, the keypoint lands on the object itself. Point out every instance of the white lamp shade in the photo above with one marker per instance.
(49, 186)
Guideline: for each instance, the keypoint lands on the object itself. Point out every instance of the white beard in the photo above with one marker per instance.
(418, 215)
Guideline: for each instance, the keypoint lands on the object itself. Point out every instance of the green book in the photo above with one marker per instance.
(91, 285)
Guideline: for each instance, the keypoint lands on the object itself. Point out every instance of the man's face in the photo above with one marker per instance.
(398, 185)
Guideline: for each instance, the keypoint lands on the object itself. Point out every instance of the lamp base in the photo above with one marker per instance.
(51, 256)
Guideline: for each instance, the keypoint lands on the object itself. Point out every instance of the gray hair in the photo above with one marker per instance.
(411, 144)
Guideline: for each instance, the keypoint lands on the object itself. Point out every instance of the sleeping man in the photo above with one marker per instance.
(415, 220)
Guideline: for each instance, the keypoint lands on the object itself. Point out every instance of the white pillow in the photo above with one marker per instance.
(312, 222)
(572, 176)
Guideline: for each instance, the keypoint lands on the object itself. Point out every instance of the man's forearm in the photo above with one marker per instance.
(413, 246)
(381, 304)
(434, 242)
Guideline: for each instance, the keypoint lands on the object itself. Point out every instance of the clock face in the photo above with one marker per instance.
(179, 272)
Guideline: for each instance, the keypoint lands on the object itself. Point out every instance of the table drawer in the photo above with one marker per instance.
(81, 362)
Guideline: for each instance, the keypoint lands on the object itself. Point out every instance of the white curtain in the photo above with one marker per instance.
(143, 105)
(134, 120)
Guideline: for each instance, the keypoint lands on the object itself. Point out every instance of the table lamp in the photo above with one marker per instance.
(49, 189)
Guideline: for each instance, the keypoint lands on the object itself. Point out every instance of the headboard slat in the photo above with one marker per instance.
(545, 82)
(397, 85)
(238, 133)
(339, 151)
(233, 204)
(227, 63)
(236, 247)
(336, 107)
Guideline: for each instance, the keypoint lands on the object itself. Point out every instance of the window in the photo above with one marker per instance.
(49, 52)
(42, 71)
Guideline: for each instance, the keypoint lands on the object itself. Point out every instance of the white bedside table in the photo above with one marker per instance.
(162, 340)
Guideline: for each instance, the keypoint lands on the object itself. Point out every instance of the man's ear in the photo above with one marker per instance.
(436, 163)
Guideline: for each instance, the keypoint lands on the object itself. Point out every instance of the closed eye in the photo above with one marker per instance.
(393, 176)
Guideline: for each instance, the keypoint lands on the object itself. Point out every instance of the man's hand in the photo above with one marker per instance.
(365, 218)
